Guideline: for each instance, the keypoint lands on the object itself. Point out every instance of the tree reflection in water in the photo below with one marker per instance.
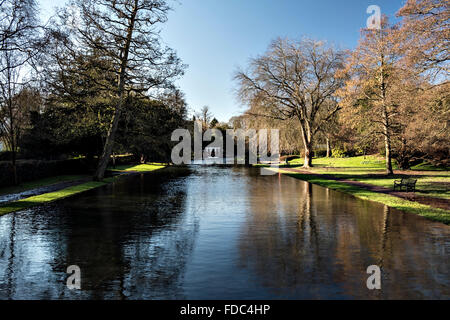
(133, 243)
(321, 245)
(225, 233)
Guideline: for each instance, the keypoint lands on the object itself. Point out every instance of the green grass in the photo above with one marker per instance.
(362, 162)
(138, 168)
(427, 185)
(373, 162)
(70, 191)
(434, 214)
(41, 183)
(48, 197)
(371, 170)
(431, 182)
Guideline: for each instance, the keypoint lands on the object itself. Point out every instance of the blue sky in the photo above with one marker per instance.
(214, 37)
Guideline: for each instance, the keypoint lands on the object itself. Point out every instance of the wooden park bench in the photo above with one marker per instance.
(409, 184)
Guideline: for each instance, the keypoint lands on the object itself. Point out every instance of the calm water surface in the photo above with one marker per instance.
(221, 233)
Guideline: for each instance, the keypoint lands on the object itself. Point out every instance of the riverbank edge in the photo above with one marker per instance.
(428, 212)
(44, 198)
(42, 183)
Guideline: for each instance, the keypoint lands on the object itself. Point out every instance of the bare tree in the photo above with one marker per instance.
(377, 83)
(295, 79)
(18, 31)
(425, 35)
(125, 32)
(19, 44)
(205, 116)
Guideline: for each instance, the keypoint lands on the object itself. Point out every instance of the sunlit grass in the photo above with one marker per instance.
(67, 192)
(366, 162)
(371, 170)
(41, 183)
(391, 201)
(138, 168)
(48, 197)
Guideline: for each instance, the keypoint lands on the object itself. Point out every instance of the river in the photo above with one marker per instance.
(221, 233)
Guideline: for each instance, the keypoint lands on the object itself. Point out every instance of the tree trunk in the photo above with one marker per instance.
(308, 155)
(386, 122)
(13, 140)
(328, 148)
(109, 143)
(307, 143)
(389, 170)
(14, 167)
(114, 160)
(14, 150)
(104, 160)
(387, 140)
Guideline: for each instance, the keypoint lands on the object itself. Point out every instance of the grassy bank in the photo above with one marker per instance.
(41, 183)
(48, 197)
(431, 182)
(70, 191)
(138, 168)
(434, 214)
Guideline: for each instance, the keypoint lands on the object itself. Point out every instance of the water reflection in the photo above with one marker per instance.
(320, 245)
(123, 242)
(220, 233)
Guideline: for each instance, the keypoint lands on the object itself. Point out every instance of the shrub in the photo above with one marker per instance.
(338, 153)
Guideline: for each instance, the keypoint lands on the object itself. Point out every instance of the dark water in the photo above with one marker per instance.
(220, 234)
